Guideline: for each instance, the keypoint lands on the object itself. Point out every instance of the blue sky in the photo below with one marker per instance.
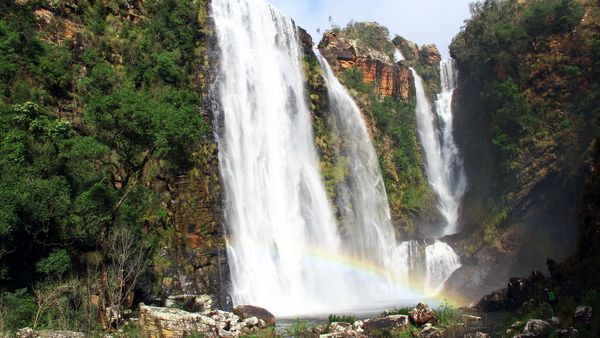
(424, 21)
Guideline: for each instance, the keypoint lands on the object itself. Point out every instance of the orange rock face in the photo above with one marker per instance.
(387, 78)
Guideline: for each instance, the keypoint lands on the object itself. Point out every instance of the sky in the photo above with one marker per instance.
(423, 22)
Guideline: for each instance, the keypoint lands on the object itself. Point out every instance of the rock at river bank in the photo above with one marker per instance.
(248, 311)
(397, 323)
(423, 314)
(175, 323)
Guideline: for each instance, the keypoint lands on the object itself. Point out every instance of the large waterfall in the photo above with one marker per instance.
(276, 208)
(443, 165)
(284, 249)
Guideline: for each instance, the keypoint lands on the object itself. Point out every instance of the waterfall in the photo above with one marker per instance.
(443, 168)
(443, 165)
(283, 245)
(276, 209)
(361, 195)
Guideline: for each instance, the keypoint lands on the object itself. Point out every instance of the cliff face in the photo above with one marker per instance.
(524, 124)
(387, 78)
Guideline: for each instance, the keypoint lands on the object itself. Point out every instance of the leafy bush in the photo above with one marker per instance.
(401, 311)
(300, 329)
(447, 313)
(369, 34)
(58, 262)
(17, 310)
(341, 319)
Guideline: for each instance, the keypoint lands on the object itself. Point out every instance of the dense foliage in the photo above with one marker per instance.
(96, 102)
(529, 81)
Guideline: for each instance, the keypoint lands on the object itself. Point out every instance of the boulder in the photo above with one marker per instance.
(431, 332)
(569, 332)
(423, 314)
(190, 303)
(477, 335)
(583, 315)
(340, 327)
(470, 320)
(174, 323)
(397, 323)
(535, 326)
(247, 311)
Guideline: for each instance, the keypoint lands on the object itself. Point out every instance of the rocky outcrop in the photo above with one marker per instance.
(387, 77)
(535, 326)
(251, 311)
(397, 323)
(422, 314)
(583, 315)
(429, 55)
(162, 322)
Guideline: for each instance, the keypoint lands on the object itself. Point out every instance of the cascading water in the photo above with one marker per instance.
(284, 249)
(361, 195)
(444, 171)
(276, 208)
(365, 197)
(443, 165)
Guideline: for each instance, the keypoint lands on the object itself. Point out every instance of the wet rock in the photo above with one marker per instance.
(397, 323)
(423, 314)
(247, 311)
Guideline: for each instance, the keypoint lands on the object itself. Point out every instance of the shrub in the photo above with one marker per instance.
(17, 309)
(299, 328)
(341, 319)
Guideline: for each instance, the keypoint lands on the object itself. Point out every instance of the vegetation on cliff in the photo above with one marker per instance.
(528, 94)
(363, 57)
(99, 104)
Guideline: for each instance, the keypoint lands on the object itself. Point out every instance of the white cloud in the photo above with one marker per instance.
(423, 22)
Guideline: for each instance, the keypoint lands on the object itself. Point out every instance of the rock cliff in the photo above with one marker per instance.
(524, 124)
(386, 77)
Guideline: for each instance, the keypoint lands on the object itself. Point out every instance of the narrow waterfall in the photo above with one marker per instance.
(361, 195)
(443, 168)
(443, 165)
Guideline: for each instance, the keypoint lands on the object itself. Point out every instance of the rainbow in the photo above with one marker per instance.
(404, 292)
